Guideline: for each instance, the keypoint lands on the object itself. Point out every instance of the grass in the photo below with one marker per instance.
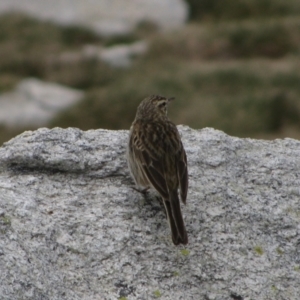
(8, 133)
(271, 38)
(29, 47)
(241, 9)
(233, 98)
(238, 74)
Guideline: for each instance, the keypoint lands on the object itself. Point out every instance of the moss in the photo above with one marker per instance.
(279, 251)
(297, 268)
(274, 288)
(5, 220)
(157, 293)
(185, 252)
(5, 223)
(259, 250)
(73, 250)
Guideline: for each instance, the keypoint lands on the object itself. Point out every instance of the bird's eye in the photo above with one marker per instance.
(163, 104)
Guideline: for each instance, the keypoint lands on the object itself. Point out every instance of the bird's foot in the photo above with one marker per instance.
(143, 191)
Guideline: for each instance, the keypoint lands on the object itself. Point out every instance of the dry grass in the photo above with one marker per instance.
(241, 9)
(239, 98)
(271, 38)
(240, 76)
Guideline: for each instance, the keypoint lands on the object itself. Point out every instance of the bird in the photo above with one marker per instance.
(156, 159)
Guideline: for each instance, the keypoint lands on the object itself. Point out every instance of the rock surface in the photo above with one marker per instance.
(35, 103)
(72, 227)
(121, 55)
(108, 17)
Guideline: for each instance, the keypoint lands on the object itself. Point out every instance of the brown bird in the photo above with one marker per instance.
(156, 158)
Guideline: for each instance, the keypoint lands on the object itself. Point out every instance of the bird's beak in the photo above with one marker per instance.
(171, 99)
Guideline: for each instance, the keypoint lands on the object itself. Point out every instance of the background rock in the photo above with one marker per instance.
(73, 228)
(35, 103)
(121, 55)
(107, 17)
(116, 56)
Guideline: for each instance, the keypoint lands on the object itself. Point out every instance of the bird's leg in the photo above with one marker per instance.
(143, 191)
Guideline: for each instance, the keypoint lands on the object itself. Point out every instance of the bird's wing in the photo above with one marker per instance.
(182, 173)
(154, 170)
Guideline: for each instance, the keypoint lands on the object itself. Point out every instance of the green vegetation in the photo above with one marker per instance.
(5, 220)
(157, 294)
(176, 273)
(5, 224)
(274, 288)
(231, 40)
(235, 98)
(185, 252)
(29, 47)
(235, 67)
(259, 250)
(7, 133)
(241, 9)
(279, 251)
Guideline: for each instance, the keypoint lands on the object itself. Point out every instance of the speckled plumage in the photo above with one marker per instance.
(156, 158)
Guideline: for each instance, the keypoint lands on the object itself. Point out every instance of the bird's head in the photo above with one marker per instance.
(154, 106)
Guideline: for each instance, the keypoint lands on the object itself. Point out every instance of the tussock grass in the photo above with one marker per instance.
(231, 40)
(238, 99)
(238, 74)
(241, 9)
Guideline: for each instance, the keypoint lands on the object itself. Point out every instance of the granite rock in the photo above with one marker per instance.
(72, 226)
(107, 17)
(34, 102)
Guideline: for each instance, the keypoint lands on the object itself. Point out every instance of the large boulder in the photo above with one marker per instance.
(108, 17)
(72, 226)
(34, 102)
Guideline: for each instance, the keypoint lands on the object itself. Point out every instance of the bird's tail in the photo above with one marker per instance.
(172, 205)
